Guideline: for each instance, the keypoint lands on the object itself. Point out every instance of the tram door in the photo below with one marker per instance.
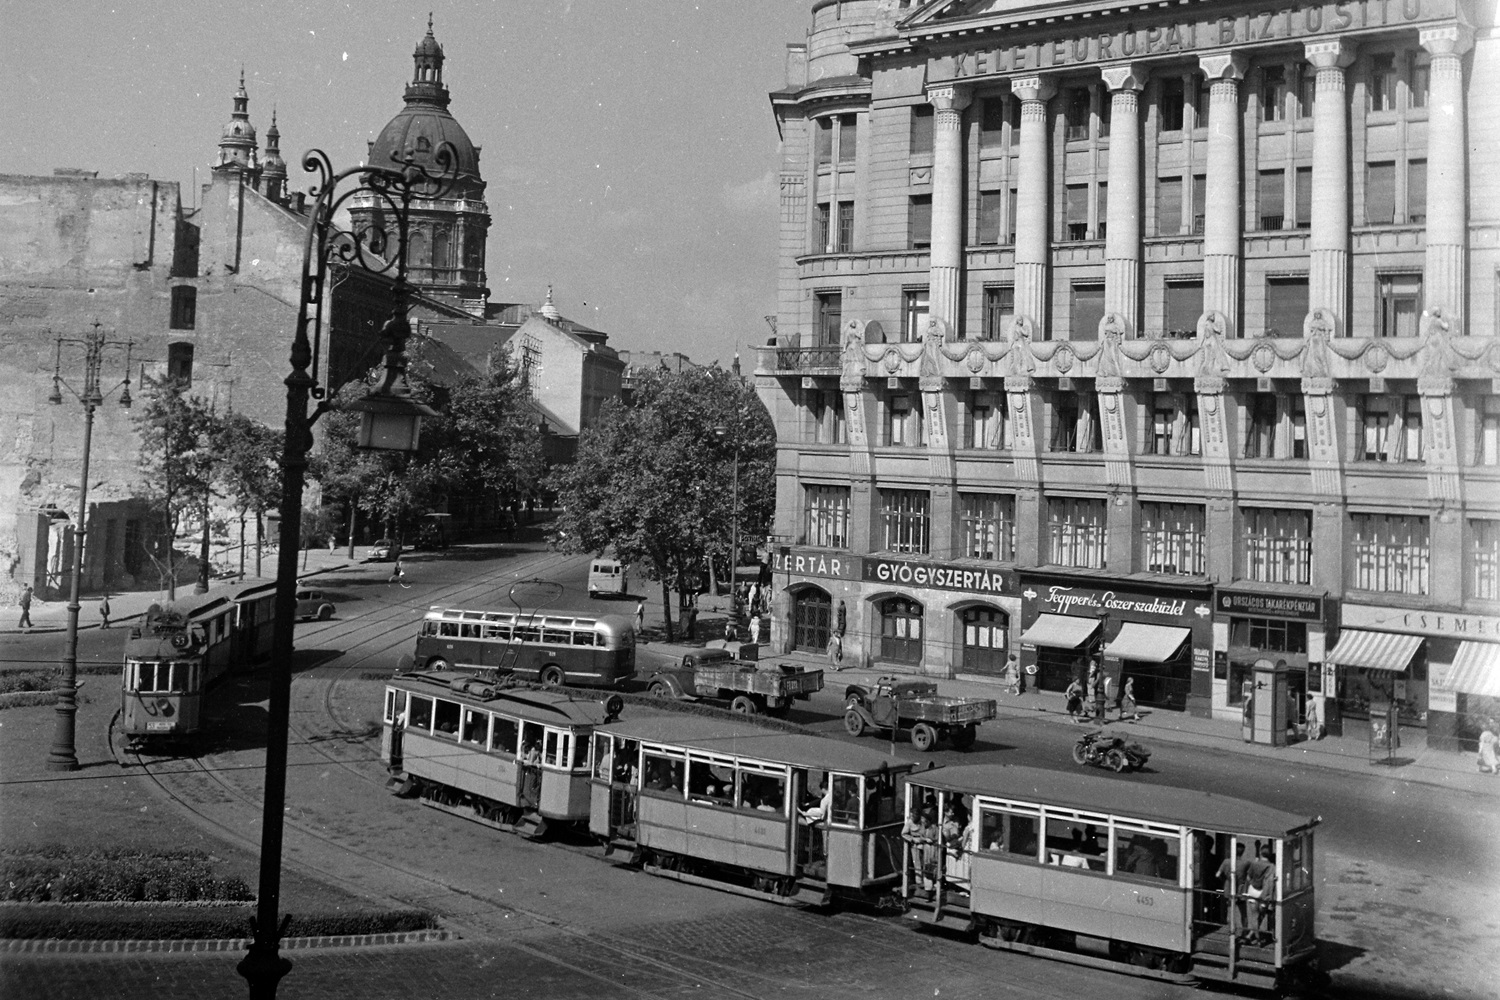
(1210, 895)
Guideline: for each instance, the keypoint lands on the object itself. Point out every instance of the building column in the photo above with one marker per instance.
(1443, 281)
(947, 203)
(1033, 222)
(1222, 217)
(1328, 241)
(1122, 239)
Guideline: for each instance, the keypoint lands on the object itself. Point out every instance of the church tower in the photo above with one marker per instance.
(237, 142)
(273, 167)
(448, 234)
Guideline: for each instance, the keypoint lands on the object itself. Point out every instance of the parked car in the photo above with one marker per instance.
(383, 550)
(312, 604)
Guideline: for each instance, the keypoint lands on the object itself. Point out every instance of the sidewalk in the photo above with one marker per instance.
(52, 616)
(1349, 753)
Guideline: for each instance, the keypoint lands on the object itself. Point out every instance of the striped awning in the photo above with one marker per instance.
(1374, 650)
(1147, 643)
(1064, 631)
(1475, 670)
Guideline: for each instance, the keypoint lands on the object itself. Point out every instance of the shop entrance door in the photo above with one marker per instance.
(812, 611)
(985, 645)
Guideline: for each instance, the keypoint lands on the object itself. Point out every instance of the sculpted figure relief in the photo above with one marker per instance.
(1316, 329)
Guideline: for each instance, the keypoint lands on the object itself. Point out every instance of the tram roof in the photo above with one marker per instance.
(541, 704)
(1094, 793)
(743, 739)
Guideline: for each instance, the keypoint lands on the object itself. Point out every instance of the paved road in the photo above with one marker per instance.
(1404, 867)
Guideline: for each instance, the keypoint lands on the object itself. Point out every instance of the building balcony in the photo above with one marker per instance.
(802, 360)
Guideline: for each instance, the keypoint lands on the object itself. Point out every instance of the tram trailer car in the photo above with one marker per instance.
(1115, 875)
(171, 659)
(787, 817)
(459, 743)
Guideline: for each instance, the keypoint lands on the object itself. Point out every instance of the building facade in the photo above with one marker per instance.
(1155, 338)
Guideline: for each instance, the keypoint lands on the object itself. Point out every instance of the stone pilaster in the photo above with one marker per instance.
(1122, 238)
(1033, 221)
(1443, 281)
(1324, 461)
(1222, 220)
(947, 203)
(1118, 470)
(1023, 419)
(1213, 421)
(1328, 266)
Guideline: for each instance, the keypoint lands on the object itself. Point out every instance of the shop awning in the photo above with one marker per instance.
(1063, 631)
(1147, 643)
(1374, 650)
(1476, 669)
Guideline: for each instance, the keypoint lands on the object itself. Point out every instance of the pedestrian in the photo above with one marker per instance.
(332, 542)
(104, 611)
(1097, 683)
(1127, 702)
(398, 575)
(690, 621)
(1013, 674)
(1489, 744)
(1073, 698)
(835, 651)
(729, 633)
(640, 616)
(25, 607)
(755, 628)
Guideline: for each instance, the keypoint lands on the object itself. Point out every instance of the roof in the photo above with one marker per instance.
(1094, 793)
(557, 707)
(744, 739)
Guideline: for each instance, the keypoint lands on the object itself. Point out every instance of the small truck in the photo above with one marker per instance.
(900, 703)
(725, 674)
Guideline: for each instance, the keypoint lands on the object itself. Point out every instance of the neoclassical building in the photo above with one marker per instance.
(1158, 337)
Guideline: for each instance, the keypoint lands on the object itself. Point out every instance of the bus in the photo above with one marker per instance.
(548, 647)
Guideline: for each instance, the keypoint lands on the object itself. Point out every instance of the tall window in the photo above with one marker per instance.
(1399, 305)
(1174, 425)
(1076, 113)
(906, 521)
(827, 407)
(1419, 78)
(1260, 425)
(1172, 538)
(1416, 191)
(999, 311)
(1076, 532)
(916, 303)
(1086, 310)
(1183, 306)
(901, 630)
(824, 140)
(1286, 306)
(1391, 428)
(1101, 212)
(1307, 89)
(1200, 196)
(184, 307)
(1278, 545)
(1010, 215)
(990, 203)
(827, 516)
(1484, 560)
(180, 363)
(903, 422)
(1171, 107)
(1298, 413)
(1487, 432)
(919, 221)
(992, 123)
(1168, 206)
(1391, 553)
(1064, 421)
(830, 308)
(847, 140)
(989, 526)
(823, 228)
(984, 421)
(1304, 198)
(1273, 93)
(1272, 198)
(1076, 226)
(1382, 83)
(1201, 89)
(1380, 193)
(921, 129)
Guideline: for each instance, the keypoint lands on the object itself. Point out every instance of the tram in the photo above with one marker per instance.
(512, 758)
(550, 648)
(1123, 876)
(787, 817)
(171, 660)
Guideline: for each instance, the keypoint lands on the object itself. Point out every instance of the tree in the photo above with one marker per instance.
(177, 457)
(248, 472)
(652, 479)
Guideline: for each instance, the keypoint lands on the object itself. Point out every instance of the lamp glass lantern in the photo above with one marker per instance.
(390, 421)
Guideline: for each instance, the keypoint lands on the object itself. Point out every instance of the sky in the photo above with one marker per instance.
(628, 146)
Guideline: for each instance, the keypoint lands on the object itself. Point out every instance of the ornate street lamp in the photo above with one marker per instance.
(64, 754)
(391, 420)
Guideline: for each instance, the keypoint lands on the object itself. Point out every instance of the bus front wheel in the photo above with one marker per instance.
(552, 677)
(437, 663)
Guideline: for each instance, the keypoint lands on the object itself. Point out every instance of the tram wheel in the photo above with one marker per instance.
(1116, 761)
(552, 677)
(923, 736)
(1144, 958)
(743, 704)
(854, 723)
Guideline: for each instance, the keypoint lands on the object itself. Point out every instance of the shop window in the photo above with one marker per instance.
(906, 520)
(1076, 532)
(1484, 560)
(900, 630)
(987, 522)
(1172, 538)
(827, 516)
(184, 307)
(1390, 553)
(1278, 545)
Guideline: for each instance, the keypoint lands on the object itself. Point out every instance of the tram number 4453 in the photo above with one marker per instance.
(1146, 900)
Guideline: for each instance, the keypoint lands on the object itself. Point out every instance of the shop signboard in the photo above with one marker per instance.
(816, 562)
(1441, 624)
(1253, 605)
(970, 579)
(1053, 597)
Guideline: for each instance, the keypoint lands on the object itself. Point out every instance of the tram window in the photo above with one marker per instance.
(503, 735)
(555, 748)
(448, 629)
(390, 705)
(763, 792)
(881, 805)
(663, 774)
(845, 800)
(180, 672)
(1296, 860)
(420, 716)
(604, 760)
(1074, 844)
(531, 736)
(711, 782)
(476, 726)
(1147, 855)
(626, 753)
(1008, 833)
(445, 717)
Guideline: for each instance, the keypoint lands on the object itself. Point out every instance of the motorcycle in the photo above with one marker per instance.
(1103, 750)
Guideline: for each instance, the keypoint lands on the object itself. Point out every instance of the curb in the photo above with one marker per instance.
(55, 946)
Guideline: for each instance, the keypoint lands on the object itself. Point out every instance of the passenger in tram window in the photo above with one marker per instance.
(531, 776)
(1090, 843)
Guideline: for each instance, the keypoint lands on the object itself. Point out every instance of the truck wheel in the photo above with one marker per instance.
(552, 677)
(743, 704)
(963, 737)
(854, 723)
(923, 736)
(660, 690)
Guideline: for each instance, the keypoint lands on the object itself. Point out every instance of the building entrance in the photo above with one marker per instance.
(986, 634)
(812, 612)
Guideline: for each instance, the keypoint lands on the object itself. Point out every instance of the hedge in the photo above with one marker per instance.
(183, 921)
(57, 874)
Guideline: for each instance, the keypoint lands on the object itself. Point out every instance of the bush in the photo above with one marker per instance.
(169, 921)
(53, 874)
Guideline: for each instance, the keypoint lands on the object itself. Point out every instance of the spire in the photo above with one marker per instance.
(548, 310)
(273, 169)
(237, 141)
(427, 72)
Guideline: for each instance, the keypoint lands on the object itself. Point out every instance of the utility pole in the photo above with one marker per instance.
(64, 754)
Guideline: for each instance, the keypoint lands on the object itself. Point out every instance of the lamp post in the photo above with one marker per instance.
(64, 754)
(391, 420)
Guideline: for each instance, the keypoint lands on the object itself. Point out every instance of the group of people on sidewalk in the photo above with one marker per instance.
(28, 593)
(1087, 699)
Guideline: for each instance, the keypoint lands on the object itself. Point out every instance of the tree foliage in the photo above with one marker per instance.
(654, 480)
(248, 472)
(177, 458)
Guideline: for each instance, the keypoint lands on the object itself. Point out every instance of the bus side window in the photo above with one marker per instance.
(470, 630)
(583, 638)
(503, 736)
(448, 629)
(497, 632)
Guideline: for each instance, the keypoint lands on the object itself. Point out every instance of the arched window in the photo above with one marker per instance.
(811, 612)
(985, 640)
(901, 630)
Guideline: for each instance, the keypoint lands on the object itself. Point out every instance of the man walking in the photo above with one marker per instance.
(25, 607)
(104, 611)
(640, 616)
